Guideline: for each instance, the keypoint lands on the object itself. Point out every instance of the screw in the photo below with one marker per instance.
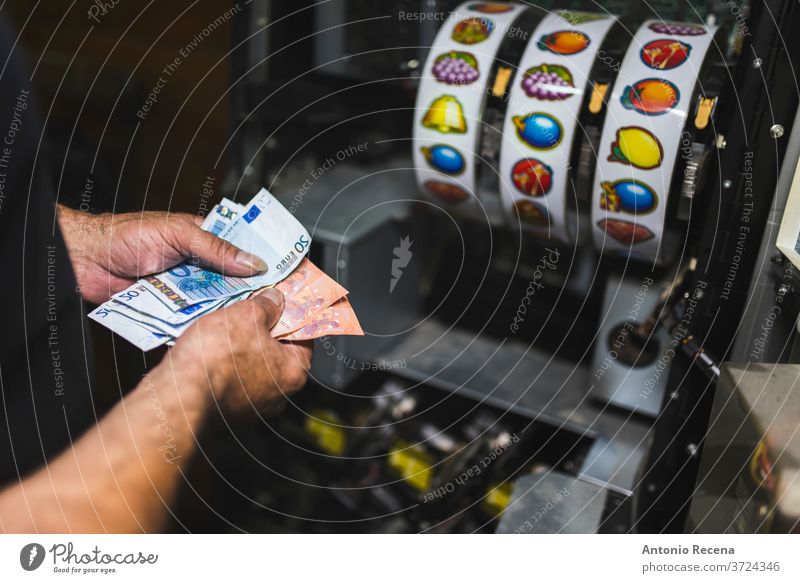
(691, 449)
(776, 131)
(726, 183)
(674, 395)
(651, 487)
(412, 64)
(778, 258)
(757, 62)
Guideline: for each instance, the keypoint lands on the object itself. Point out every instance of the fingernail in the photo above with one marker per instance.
(250, 261)
(274, 295)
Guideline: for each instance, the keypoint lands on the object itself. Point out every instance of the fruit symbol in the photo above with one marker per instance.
(548, 82)
(629, 196)
(636, 147)
(625, 232)
(446, 191)
(564, 42)
(472, 31)
(576, 17)
(650, 96)
(539, 130)
(531, 213)
(445, 115)
(677, 28)
(665, 53)
(491, 7)
(456, 68)
(531, 177)
(444, 158)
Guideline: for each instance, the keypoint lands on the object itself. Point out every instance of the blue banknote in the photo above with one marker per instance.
(264, 228)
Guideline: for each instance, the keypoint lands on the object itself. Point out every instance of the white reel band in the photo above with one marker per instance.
(542, 121)
(451, 97)
(648, 109)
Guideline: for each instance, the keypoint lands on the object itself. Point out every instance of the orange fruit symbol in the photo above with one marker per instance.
(650, 96)
(564, 42)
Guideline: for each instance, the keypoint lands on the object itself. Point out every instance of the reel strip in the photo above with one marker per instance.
(451, 97)
(542, 118)
(649, 106)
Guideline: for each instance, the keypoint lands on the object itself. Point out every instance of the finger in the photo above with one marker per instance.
(300, 351)
(270, 304)
(296, 363)
(212, 252)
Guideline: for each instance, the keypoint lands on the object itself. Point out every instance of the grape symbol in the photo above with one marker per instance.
(546, 81)
(677, 28)
(456, 68)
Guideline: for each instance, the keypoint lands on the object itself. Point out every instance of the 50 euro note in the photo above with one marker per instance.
(264, 228)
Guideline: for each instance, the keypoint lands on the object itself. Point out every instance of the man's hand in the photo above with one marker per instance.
(232, 351)
(110, 252)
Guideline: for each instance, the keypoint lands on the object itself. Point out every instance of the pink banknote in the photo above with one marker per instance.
(307, 292)
(337, 319)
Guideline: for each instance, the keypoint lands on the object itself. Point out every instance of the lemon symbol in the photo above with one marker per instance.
(637, 147)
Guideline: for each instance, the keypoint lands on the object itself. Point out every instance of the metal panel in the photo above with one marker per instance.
(749, 478)
(552, 502)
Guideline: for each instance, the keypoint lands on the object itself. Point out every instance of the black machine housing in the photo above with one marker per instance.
(381, 442)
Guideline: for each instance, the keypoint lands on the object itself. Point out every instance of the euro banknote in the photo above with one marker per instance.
(338, 319)
(307, 292)
(264, 228)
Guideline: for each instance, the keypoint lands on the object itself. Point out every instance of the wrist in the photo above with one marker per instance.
(84, 236)
(197, 361)
(185, 371)
(174, 380)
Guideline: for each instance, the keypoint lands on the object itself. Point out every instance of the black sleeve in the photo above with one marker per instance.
(45, 355)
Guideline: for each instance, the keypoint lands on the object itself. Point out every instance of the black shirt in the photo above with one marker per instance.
(45, 355)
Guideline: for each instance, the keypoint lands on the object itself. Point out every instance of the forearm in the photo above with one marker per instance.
(122, 475)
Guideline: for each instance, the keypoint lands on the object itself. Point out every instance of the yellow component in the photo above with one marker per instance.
(322, 427)
(598, 97)
(445, 115)
(705, 107)
(497, 498)
(501, 81)
(639, 147)
(412, 464)
(761, 467)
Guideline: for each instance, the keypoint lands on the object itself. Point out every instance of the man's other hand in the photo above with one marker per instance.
(232, 352)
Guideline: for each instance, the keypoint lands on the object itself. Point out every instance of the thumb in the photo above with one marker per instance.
(270, 302)
(215, 253)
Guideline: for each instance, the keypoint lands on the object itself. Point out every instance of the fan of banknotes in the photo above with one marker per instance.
(157, 309)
